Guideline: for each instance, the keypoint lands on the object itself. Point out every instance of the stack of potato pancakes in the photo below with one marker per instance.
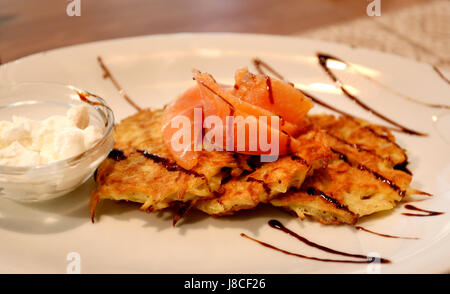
(341, 169)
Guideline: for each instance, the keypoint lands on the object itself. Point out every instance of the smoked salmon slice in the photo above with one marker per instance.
(231, 103)
(217, 101)
(274, 95)
(183, 106)
(246, 119)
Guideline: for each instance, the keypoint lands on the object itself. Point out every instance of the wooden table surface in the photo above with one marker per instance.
(30, 26)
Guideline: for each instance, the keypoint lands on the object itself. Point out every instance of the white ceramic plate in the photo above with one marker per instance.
(153, 70)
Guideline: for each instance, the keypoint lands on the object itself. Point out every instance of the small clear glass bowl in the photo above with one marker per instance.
(39, 101)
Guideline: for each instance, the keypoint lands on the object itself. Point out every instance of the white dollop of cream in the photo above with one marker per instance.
(27, 142)
(17, 155)
(79, 116)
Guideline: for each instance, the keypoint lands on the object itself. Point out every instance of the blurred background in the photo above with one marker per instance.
(418, 29)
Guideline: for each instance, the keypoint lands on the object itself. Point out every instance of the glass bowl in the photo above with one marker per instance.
(39, 101)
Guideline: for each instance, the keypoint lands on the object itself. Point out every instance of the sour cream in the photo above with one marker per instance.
(27, 142)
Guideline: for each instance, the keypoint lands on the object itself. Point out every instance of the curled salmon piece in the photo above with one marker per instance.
(274, 95)
(222, 103)
(183, 106)
(232, 119)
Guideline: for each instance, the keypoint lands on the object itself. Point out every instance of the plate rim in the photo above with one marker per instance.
(212, 35)
(4, 66)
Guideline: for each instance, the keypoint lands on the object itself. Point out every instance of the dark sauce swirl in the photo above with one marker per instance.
(441, 75)
(401, 95)
(403, 167)
(168, 165)
(323, 58)
(425, 212)
(269, 89)
(315, 192)
(264, 184)
(117, 155)
(107, 74)
(275, 224)
(377, 176)
(262, 67)
(384, 235)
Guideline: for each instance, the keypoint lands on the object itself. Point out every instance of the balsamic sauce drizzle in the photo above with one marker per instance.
(383, 179)
(232, 110)
(300, 160)
(377, 176)
(264, 184)
(261, 65)
(170, 166)
(381, 136)
(323, 58)
(315, 192)
(403, 166)
(289, 142)
(401, 95)
(323, 104)
(384, 235)
(426, 212)
(182, 208)
(275, 224)
(107, 74)
(358, 147)
(269, 89)
(441, 75)
(117, 155)
(83, 97)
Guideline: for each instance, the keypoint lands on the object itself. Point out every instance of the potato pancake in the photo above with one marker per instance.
(270, 179)
(140, 168)
(367, 175)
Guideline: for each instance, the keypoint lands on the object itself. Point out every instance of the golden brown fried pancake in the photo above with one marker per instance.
(140, 168)
(362, 134)
(316, 205)
(346, 169)
(270, 179)
(362, 179)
